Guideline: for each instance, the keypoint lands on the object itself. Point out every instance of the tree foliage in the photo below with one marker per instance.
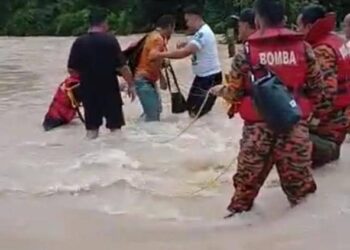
(69, 17)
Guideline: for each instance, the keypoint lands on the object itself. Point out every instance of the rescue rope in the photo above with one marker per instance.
(195, 119)
(226, 168)
(184, 130)
(213, 181)
(75, 104)
(80, 115)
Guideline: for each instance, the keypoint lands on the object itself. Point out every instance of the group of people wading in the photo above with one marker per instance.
(291, 88)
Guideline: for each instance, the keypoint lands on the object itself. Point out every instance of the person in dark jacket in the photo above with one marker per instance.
(96, 57)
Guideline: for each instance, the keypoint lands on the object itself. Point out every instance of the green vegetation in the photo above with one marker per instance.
(69, 17)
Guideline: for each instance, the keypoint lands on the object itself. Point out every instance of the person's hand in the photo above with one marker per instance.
(166, 63)
(313, 121)
(163, 84)
(155, 56)
(181, 45)
(131, 93)
(217, 90)
(123, 86)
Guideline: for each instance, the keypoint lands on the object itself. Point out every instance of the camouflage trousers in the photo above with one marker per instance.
(260, 150)
(328, 137)
(323, 151)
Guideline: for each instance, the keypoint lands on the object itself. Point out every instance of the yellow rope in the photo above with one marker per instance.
(74, 102)
(191, 123)
(225, 170)
(213, 181)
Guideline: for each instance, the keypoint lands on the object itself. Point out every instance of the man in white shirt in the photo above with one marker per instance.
(347, 46)
(205, 61)
(347, 27)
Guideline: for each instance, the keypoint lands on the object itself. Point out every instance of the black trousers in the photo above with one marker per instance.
(99, 105)
(198, 92)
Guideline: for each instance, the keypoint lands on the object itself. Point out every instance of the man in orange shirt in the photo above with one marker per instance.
(148, 71)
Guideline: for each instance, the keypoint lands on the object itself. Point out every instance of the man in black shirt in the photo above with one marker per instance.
(96, 56)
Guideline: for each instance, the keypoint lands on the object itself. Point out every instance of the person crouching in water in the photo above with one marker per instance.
(261, 148)
(95, 57)
(328, 132)
(148, 70)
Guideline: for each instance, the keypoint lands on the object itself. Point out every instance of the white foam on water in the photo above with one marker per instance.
(133, 173)
(105, 157)
(135, 162)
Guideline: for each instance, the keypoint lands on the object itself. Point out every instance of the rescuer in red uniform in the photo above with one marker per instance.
(285, 53)
(328, 132)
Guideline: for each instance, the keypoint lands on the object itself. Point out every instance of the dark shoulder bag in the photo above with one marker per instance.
(274, 102)
(178, 101)
(132, 54)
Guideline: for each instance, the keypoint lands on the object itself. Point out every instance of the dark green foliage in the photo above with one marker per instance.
(69, 17)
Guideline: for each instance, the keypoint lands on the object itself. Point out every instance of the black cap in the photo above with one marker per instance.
(247, 16)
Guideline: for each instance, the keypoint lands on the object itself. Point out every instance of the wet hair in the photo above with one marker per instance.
(248, 16)
(97, 17)
(311, 13)
(272, 11)
(194, 10)
(166, 21)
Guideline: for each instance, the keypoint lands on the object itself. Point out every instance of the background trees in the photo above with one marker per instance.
(69, 17)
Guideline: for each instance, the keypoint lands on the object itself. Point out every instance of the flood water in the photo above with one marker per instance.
(132, 189)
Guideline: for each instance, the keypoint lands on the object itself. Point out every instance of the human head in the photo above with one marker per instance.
(98, 19)
(193, 17)
(246, 24)
(268, 13)
(166, 24)
(347, 26)
(309, 15)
